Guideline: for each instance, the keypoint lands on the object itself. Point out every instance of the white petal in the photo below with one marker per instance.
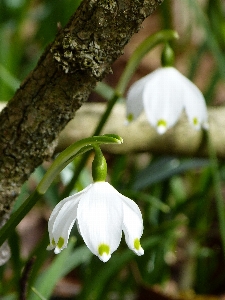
(99, 215)
(52, 220)
(134, 102)
(163, 98)
(195, 106)
(64, 222)
(161, 128)
(132, 225)
(62, 219)
(105, 257)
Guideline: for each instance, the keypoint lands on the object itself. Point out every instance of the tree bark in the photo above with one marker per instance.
(81, 55)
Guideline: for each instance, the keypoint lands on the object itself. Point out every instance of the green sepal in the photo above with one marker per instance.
(99, 166)
(167, 57)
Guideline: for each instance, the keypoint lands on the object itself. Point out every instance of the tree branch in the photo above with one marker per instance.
(81, 55)
(139, 136)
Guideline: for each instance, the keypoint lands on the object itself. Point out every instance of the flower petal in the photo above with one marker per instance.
(195, 106)
(61, 221)
(162, 98)
(99, 216)
(132, 225)
(52, 220)
(134, 101)
(64, 223)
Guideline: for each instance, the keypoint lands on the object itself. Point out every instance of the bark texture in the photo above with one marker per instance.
(81, 55)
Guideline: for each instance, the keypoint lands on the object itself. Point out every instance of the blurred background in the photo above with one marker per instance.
(184, 253)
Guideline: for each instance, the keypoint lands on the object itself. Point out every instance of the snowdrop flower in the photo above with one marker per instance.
(163, 95)
(101, 213)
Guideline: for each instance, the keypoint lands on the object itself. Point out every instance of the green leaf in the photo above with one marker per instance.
(154, 201)
(9, 297)
(38, 294)
(211, 39)
(63, 263)
(94, 290)
(164, 168)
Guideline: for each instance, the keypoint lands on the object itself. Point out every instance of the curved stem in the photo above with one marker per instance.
(65, 157)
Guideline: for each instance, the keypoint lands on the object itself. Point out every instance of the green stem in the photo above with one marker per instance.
(217, 188)
(106, 114)
(166, 15)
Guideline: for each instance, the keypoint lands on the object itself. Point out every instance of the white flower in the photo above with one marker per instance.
(163, 95)
(101, 213)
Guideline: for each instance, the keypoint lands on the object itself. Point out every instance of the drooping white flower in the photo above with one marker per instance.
(101, 213)
(163, 95)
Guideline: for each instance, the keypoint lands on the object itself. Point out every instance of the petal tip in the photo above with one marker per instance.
(57, 250)
(137, 247)
(161, 129)
(104, 257)
(161, 126)
(50, 247)
(140, 251)
(104, 252)
(127, 122)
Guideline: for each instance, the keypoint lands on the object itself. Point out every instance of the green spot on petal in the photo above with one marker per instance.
(60, 242)
(137, 244)
(103, 248)
(53, 242)
(130, 117)
(161, 123)
(195, 121)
